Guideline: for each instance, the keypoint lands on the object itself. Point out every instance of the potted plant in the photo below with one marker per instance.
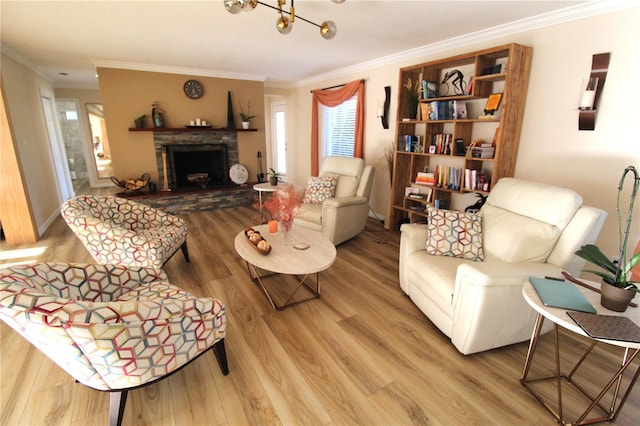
(274, 177)
(617, 288)
(414, 92)
(246, 116)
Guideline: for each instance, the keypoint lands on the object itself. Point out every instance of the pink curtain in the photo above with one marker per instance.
(331, 98)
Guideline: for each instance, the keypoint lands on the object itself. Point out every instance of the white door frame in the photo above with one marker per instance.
(56, 143)
(277, 106)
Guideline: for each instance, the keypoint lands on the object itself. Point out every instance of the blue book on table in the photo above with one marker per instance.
(561, 294)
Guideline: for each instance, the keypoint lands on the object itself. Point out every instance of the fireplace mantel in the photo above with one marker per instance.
(188, 129)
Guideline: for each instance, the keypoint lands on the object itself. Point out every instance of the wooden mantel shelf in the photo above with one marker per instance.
(188, 129)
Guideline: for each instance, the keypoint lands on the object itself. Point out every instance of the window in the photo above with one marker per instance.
(338, 126)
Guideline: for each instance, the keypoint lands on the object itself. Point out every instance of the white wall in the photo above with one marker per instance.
(552, 149)
(23, 87)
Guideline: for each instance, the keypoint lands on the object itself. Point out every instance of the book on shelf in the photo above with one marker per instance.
(426, 178)
(442, 142)
(469, 90)
(483, 151)
(476, 180)
(429, 89)
(442, 110)
(459, 109)
(448, 177)
(424, 191)
(409, 143)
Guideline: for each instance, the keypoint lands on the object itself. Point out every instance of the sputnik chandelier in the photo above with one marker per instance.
(285, 23)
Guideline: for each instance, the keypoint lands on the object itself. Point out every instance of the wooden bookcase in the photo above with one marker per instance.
(502, 129)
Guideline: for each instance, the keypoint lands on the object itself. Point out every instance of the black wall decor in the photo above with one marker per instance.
(385, 113)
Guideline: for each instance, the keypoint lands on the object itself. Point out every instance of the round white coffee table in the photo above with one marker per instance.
(263, 187)
(285, 259)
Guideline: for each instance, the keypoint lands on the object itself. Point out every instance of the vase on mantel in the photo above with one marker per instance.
(245, 124)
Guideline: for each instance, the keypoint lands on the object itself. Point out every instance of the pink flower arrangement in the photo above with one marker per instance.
(283, 204)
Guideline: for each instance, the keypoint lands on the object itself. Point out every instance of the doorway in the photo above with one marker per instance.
(100, 141)
(65, 188)
(77, 127)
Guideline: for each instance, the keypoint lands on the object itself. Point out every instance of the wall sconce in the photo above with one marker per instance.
(383, 110)
(591, 90)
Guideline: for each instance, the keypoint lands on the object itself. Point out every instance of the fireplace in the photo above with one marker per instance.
(196, 166)
(191, 160)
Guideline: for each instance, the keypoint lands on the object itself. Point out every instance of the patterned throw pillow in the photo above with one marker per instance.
(319, 189)
(455, 234)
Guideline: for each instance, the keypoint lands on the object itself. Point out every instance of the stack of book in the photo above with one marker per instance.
(484, 150)
(426, 178)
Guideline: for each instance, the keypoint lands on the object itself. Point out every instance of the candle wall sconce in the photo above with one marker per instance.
(591, 91)
(385, 109)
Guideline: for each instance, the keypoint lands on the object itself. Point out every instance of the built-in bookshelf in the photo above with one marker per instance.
(462, 132)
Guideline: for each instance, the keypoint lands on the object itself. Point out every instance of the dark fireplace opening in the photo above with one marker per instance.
(197, 166)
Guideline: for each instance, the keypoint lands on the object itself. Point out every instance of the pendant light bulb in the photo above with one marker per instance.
(233, 6)
(249, 5)
(328, 30)
(283, 25)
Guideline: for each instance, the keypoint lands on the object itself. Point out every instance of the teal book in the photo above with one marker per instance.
(561, 294)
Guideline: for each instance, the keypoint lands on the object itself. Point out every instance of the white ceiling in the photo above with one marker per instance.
(202, 38)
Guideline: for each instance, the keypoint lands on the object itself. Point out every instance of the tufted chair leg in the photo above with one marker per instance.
(185, 251)
(117, 401)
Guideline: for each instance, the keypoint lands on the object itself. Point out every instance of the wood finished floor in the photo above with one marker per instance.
(361, 354)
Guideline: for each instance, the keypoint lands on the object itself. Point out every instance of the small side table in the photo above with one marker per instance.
(263, 187)
(561, 319)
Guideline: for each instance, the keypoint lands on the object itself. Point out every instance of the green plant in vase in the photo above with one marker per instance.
(617, 274)
(246, 116)
(274, 177)
(414, 92)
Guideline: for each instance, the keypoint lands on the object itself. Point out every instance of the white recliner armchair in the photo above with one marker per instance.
(344, 215)
(528, 229)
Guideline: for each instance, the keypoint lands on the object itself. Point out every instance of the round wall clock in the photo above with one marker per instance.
(193, 89)
(238, 174)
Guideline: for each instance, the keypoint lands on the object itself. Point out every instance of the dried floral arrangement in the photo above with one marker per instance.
(283, 204)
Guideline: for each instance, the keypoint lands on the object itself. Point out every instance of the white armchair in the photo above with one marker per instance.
(528, 229)
(344, 215)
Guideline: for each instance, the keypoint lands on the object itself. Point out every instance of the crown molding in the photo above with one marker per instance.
(24, 62)
(99, 63)
(572, 13)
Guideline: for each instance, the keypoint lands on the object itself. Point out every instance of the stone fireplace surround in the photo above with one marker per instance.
(178, 139)
(179, 202)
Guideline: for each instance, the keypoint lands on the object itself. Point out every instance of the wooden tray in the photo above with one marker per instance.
(248, 232)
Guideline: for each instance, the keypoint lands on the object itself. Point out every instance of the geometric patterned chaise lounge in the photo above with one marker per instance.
(112, 328)
(122, 232)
